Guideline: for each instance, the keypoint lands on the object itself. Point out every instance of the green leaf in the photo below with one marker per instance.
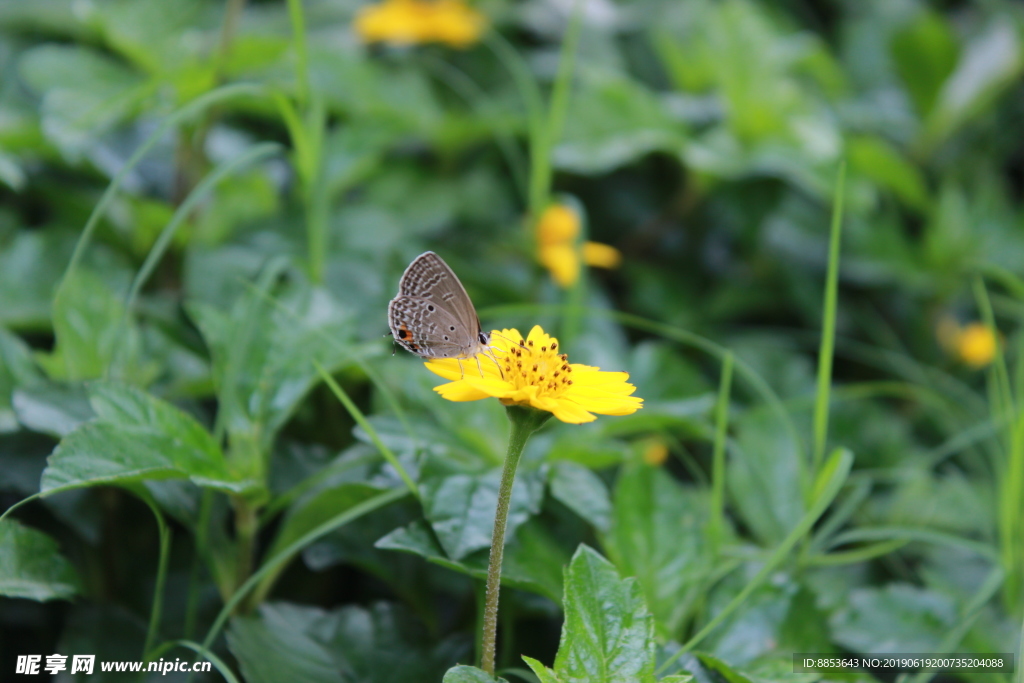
(461, 507)
(764, 476)
(776, 617)
(608, 634)
(990, 64)
(469, 674)
(84, 93)
(280, 644)
(545, 674)
(615, 121)
(583, 492)
(880, 162)
(533, 559)
(87, 322)
(379, 644)
(657, 535)
(925, 53)
(31, 567)
(31, 264)
(896, 618)
(264, 354)
(311, 512)
(51, 408)
(135, 437)
(707, 669)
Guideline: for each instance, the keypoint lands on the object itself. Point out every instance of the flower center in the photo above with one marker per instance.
(530, 365)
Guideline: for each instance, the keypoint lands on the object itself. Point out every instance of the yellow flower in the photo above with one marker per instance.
(531, 372)
(411, 22)
(655, 453)
(558, 231)
(976, 345)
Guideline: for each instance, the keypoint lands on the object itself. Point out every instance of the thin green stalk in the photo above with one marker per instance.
(222, 668)
(484, 105)
(184, 210)
(200, 104)
(227, 395)
(374, 377)
(835, 472)
(298, 19)
(1011, 505)
(533, 101)
(317, 197)
(717, 526)
(202, 534)
(540, 148)
(246, 528)
(21, 502)
(228, 28)
(1001, 373)
(1020, 653)
(353, 513)
(361, 420)
(828, 327)
(161, 575)
(524, 422)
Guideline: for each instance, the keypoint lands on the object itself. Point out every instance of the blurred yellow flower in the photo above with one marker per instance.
(411, 22)
(558, 231)
(975, 344)
(531, 372)
(655, 453)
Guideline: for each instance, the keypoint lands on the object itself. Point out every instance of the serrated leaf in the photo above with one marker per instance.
(264, 354)
(379, 644)
(52, 408)
(460, 507)
(545, 674)
(31, 566)
(135, 437)
(92, 333)
(608, 634)
(764, 476)
(532, 559)
(583, 492)
(707, 669)
(469, 674)
(657, 535)
(989, 64)
(31, 263)
(896, 618)
(84, 93)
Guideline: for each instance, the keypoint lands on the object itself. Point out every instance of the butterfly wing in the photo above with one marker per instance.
(427, 330)
(433, 316)
(429, 277)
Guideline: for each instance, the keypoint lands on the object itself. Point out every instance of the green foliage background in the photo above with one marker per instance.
(206, 206)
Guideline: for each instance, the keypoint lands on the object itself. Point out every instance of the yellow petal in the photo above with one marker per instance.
(564, 410)
(558, 225)
(460, 391)
(562, 262)
(976, 345)
(601, 255)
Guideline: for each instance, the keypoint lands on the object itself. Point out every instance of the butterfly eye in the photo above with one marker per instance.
(484, 339)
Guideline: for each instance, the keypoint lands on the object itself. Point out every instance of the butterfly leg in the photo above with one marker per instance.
(490, 354)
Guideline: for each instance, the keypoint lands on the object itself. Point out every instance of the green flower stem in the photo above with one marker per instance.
(525, 421)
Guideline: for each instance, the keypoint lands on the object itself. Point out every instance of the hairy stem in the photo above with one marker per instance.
(525, 422)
